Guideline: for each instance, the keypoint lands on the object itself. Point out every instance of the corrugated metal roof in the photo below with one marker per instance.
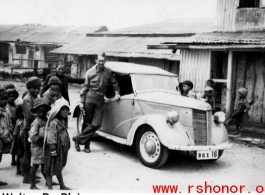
(45, 34)
(257, 37)
(122, 46)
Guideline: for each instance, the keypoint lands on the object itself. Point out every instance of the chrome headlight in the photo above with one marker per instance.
(172, 117)
(219, 117)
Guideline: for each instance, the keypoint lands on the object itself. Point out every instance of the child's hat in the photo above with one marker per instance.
(208, 89)
(243, 92)
(10, 88)
(54, 81)
(38, 103)
(189, 83)
(33, 82)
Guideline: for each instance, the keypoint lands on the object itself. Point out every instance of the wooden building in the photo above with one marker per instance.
(233, 55)
(29, 45)
(129, 45)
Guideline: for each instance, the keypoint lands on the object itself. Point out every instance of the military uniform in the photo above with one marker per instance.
(92, 95)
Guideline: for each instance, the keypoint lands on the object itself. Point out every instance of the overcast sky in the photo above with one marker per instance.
(114, 14)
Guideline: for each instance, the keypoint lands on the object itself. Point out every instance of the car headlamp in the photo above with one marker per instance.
(219, 117)
(172, 117)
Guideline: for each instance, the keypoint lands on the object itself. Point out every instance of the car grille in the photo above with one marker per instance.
(201, 122)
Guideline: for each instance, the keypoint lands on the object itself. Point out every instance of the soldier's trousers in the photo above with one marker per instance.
(92, 120)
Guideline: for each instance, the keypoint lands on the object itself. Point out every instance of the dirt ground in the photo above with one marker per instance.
(112, 167)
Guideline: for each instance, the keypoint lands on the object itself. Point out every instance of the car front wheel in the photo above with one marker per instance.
(150, 150)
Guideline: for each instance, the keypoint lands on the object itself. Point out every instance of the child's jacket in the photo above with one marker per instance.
(242, 105)
(5, 131)
(5, 126)
(29, 117)
(37, 131)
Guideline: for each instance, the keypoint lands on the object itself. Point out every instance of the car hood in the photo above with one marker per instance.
(174, 100)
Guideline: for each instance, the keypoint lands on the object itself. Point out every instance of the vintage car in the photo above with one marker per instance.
(152, 115)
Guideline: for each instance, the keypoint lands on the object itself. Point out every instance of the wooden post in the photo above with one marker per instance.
(229, 84)
(11, 73)
(35, 70)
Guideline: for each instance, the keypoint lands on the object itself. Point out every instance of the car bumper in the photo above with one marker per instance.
(222, 146)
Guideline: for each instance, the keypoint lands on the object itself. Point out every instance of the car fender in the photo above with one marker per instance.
(219, 133)
(167, 135)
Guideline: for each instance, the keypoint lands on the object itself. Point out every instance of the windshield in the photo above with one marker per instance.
(155, 82)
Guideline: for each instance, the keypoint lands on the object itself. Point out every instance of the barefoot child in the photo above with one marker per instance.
(11, 107)
(56, 143)
(36, 136)
(241, 112)
(19, 148)
(33, 85)
(5, 125)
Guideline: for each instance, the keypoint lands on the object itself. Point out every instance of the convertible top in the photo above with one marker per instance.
(131, 68)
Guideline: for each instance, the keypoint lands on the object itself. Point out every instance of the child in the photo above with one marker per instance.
(36, 137)
(18, 148)
(210, 83)
(11, 107)
(53, 93)
(56, 143)
(33, 85)
(5, 125)
(209, 97)
(186, 87)
(241, 112)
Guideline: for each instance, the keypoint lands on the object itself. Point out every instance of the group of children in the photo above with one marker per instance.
(209, 92)
(35, 132)
(242, 106)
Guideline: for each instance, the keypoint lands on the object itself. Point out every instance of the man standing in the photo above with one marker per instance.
(64, 81)
(97, 80)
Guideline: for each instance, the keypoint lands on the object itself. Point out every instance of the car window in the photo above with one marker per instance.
(125, 85)
(147, 82)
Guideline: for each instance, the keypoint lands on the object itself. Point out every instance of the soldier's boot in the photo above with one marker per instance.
(87, 147)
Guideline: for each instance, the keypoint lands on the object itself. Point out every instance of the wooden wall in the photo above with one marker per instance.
(250, 73)
(250, 19)
(231, 18)
(85, 62)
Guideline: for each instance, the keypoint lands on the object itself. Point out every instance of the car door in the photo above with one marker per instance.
(117, 118)
(118, 114)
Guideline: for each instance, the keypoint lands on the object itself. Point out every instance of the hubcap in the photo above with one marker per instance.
(150, 147)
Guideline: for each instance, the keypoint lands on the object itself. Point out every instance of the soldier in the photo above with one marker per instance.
(92, 100)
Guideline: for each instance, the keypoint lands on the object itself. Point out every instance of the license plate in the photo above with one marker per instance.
(204, 155)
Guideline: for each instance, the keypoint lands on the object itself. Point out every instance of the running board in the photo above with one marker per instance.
(113, 138)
